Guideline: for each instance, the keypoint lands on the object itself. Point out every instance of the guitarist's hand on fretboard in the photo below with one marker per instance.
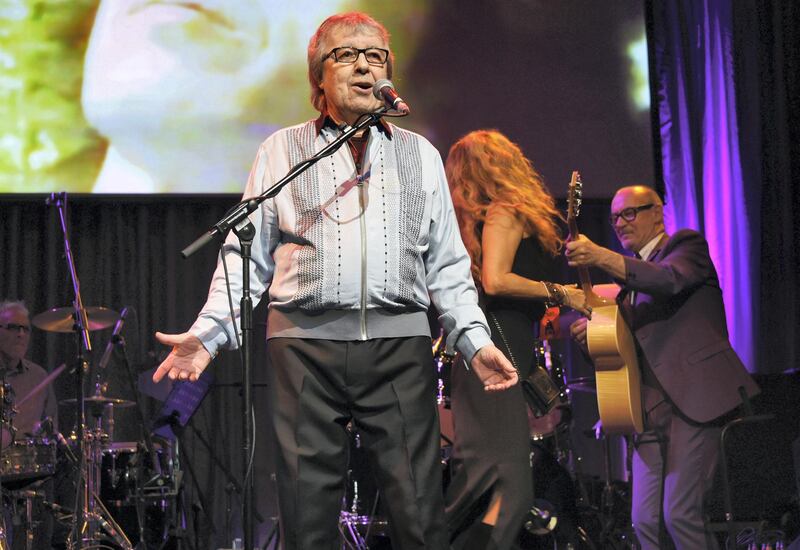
(582, 252)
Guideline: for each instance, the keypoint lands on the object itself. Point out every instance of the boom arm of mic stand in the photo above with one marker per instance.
(239, 212)
(81, 321)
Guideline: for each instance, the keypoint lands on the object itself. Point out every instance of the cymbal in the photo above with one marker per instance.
(99, 400)
(60, 319)
(584, 383)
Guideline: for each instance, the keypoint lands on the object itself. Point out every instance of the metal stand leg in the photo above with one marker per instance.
(4, 542)
(95, 520)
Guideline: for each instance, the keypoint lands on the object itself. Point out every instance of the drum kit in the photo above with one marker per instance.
(570, 510)
(125, 489)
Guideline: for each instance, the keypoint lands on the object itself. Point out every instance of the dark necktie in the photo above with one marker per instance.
(633, 293)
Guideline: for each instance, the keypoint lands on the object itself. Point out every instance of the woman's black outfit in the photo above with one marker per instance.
(491, 451)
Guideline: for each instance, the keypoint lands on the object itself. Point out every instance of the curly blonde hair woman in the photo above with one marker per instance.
(509, 225)
(489, 175)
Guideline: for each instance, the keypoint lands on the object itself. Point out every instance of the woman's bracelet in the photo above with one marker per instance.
(556, 295)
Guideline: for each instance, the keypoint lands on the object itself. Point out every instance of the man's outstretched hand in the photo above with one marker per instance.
(494, 369)
(187, 360)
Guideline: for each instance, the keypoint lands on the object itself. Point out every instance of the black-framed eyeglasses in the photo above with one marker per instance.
(349, 55)
(13, 327)
(629, 214)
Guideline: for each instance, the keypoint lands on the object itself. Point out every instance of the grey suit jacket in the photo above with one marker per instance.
(679, 323)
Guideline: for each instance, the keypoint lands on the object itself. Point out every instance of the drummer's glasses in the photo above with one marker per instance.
(349, 54)
(12, 327)
(628, 214)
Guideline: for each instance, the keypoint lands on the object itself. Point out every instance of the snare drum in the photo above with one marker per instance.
(28, 459)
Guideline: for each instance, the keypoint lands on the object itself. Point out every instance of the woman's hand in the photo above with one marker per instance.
(576, 299)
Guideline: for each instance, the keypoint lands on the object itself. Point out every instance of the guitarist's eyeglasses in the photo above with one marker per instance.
(628, 214)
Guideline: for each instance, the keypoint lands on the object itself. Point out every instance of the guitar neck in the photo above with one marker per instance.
(583, 272)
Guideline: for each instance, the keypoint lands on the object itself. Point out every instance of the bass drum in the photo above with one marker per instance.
(553, 519)
(125, 468)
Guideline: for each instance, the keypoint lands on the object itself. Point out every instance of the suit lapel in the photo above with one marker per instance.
(654, 255)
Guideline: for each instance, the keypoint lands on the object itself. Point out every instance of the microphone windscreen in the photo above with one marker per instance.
(379, 85)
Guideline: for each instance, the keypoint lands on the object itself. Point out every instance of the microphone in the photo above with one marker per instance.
(45, 426)
(384, 89)
(113, 340)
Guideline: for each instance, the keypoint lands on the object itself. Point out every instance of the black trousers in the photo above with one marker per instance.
(387, 388)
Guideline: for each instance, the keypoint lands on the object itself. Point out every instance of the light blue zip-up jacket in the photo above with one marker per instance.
(348, 256)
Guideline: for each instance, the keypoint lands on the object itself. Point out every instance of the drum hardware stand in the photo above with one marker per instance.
(349, 520)
(611, 535)
(94, 517)
(29, 522)
(5, 401)
(163, 485)
(274, 534)
(349, 524)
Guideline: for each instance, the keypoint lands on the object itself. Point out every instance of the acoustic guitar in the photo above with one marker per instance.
(610, 344)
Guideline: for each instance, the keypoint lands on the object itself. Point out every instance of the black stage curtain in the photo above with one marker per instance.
(767, 38)
(767, 83)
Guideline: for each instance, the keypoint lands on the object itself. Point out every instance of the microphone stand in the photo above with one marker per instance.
(186, 460)
(5, 539)
(146, 442)
(236, 219)
(84, 496)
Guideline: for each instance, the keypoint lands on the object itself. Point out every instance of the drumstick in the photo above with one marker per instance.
(42, 385)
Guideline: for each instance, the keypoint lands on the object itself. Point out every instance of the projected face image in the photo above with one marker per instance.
(185, 91)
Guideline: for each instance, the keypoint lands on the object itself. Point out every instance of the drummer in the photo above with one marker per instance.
(23, 376)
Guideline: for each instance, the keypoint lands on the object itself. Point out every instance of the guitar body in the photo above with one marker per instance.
(610, 343)
(617, 375)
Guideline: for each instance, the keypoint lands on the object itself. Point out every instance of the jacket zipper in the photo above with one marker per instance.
(363, 225)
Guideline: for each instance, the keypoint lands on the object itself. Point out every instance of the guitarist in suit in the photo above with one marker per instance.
(671, 299)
